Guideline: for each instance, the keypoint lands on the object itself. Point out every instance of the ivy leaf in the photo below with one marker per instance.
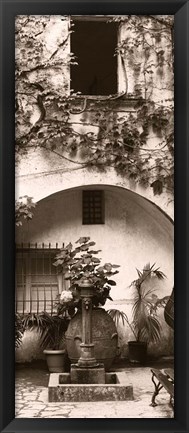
(157, 186)
(19, 223)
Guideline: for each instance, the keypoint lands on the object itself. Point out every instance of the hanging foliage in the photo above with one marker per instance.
(24, 208)
(109, 137)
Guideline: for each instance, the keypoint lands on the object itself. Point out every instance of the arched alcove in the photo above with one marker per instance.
(134, 232)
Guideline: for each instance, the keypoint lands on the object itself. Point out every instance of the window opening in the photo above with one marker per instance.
(94, 43)
(37, 281)
(93, 207)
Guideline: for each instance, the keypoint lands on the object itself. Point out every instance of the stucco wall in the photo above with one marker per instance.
(135, 232)
(49, 176)
(41, 172)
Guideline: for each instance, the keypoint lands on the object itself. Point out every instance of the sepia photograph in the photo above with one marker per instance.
(94, 211)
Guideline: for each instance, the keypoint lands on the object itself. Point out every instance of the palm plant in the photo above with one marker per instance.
(145, 325)
(19, 330)
(51, 328)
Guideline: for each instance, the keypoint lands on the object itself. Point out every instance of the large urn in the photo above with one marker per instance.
(104, 337)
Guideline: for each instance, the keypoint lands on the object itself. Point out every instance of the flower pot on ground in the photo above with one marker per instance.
(78, 263)
(56, 360)
(52, 331)
(137, 352)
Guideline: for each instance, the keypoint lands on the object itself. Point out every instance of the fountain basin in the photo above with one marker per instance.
(115, 388)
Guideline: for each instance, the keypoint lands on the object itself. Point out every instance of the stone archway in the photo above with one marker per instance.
(51, 182)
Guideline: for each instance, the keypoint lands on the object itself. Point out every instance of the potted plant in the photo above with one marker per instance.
(51, 330)
(169, 310)
(19, 330)
(145, 325)
(76, 263)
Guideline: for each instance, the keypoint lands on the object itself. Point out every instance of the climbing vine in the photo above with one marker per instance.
(108, 137)
(24, 209)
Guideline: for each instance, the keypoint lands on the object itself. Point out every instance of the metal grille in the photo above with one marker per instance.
(37, 281)
(93, 207)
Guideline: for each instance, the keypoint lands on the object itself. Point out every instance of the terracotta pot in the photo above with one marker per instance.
(137, 352)
(104, 335)
(56, 360)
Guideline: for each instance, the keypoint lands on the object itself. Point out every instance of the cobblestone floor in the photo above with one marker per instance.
(32, 398)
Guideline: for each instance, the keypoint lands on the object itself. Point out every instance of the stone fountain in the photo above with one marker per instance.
(87, 380)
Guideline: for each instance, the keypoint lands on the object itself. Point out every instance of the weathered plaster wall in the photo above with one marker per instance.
(50, 175)
(135, 232)
(156, 85)
(42, 170)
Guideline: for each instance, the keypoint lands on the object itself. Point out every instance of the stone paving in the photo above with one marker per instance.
(31, 400)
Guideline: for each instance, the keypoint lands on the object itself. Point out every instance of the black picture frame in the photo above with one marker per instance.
(180, 9)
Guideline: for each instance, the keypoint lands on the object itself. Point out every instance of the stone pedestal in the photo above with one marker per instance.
(87, 358)
(87, 375)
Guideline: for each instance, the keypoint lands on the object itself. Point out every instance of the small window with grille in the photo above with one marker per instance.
(93, 207)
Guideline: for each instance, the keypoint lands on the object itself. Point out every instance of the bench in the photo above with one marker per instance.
(165, 379)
